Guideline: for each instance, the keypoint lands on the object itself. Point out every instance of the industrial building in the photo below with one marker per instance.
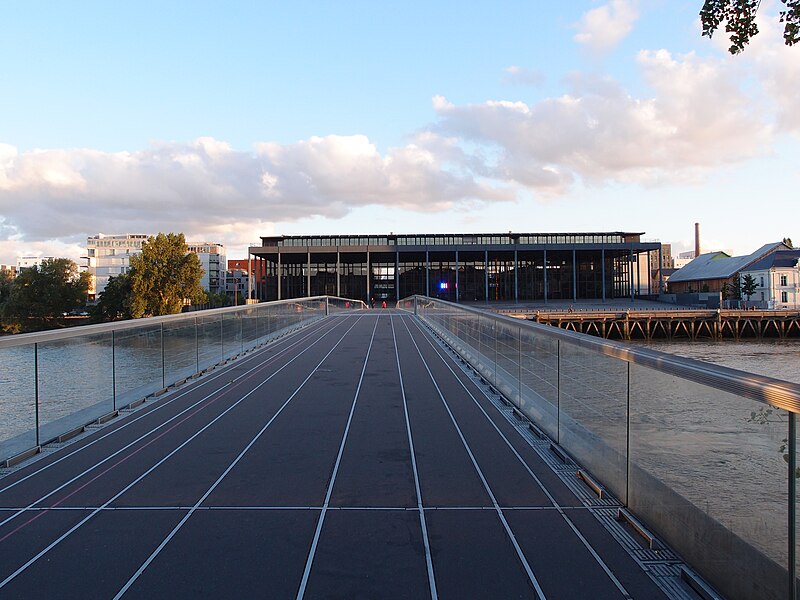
(507, 267)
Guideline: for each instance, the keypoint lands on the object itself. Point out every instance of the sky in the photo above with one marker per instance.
(229, 121)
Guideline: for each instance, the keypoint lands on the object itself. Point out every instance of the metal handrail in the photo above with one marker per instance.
(769, 390)
(52, 335)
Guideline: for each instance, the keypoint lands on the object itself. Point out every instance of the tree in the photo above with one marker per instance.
(163, 276)
(748, 285)
(115, 300)
(740, 20)
(6, 281)
(40, 296)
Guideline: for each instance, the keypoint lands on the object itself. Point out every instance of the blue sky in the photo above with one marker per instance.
(232, 121)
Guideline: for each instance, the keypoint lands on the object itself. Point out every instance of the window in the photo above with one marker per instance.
(783, 281)
(762, 282)
(784, 297)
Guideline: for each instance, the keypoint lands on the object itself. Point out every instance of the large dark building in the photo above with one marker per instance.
(503, 267)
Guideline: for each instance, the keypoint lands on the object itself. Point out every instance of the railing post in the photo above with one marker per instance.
(36, 388)
(628, 438)
(792, 521)
(196, 345)
(327, 306)
(519, 368)
(558, 391)
(163, 366)
(113, 371)
(494, 329)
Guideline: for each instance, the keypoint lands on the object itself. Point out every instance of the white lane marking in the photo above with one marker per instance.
(201, 383)
(164, 424)
(150, 470)
(498, 510)
(423, 525)
(185, 518)
(310, 560)
(556, 505)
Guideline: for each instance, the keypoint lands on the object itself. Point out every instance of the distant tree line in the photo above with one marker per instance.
(160, 281)
(41, 297)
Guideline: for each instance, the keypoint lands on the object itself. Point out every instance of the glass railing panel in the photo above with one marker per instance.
(231, 334)
(139, 370)
(180, 349)
(486, 341)
(539, 374)
(268, 321)
(708, 473)
(76, 383)
(250, 332)
(593, 413)
(796, 483)
(209, 335)
(17, 400)
(507, 367)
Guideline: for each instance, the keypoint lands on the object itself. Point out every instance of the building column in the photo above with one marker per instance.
(369, 288)
(279, 273)
(338, 274)
(516, 278)
(574, 276)
(427, 274)
(308, 275)
(630, 272)
(660, 273)
(603, 263)
(486, 275)
(456, 276)
(545, 275)
(397, 274)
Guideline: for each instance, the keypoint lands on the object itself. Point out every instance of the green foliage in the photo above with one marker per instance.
(730, 291)
(748, 285)
(114, 301)
(217, 300)
(163, 276)
(6, 281)
(39, 296)
(739, 17)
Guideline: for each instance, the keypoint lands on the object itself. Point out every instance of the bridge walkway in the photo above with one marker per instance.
(351, 459)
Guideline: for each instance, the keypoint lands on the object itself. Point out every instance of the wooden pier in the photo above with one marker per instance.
(673, 324)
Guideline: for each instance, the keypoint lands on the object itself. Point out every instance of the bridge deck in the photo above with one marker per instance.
(352, 459)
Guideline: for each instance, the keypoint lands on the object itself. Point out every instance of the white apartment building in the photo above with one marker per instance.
(25, 262)
(212, 258)
(110, 255)
(777, 279)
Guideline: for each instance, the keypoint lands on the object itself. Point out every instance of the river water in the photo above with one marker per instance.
(774, 358)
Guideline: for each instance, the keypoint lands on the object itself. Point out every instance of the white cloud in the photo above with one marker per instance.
(602, 28)
(697, 119)
(207, 189)
(522, 76)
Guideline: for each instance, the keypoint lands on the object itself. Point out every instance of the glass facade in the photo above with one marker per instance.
(503, 268)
